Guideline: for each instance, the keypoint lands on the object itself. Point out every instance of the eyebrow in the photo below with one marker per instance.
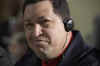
(38, 19)
(43, 18)
(27, 21)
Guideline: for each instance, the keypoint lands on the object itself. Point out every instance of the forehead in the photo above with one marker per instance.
(42, 8)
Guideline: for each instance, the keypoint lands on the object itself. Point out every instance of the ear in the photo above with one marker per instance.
(68, 24)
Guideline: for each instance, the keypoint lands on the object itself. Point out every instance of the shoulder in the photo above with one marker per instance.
(80, 54)
(29, 59)
(89, 58)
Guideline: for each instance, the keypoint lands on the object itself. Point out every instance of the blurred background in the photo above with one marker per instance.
(85, 13)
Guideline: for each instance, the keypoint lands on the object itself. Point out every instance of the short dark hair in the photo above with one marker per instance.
(60, 6)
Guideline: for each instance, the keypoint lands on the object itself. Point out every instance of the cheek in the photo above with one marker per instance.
(56, 35)
(28, 36)
(29, 40)
(53, 36)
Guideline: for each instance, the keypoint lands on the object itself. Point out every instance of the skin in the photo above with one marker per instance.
(44, 30)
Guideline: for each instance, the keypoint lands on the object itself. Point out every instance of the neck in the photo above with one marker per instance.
(67, 42)
(68, 39)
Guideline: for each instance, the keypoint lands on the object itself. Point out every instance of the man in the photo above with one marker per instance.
(48, 28)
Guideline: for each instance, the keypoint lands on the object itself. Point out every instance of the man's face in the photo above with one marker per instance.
(44, 30)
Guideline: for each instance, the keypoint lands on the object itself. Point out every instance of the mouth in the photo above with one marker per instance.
(41, 43)
(41, 40)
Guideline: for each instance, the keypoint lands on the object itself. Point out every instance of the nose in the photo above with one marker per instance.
(37, 30)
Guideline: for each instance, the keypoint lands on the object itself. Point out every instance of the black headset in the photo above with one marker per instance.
(68, 24)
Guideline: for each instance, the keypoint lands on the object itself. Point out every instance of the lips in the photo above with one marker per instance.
(39, 40)
(41, 43)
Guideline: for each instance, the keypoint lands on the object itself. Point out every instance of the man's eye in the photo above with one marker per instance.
(29, 26)
(45, 23)
(46, 20)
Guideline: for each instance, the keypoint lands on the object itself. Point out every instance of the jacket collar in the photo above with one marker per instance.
(74, 51)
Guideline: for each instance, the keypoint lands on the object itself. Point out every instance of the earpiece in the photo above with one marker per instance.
(68, 24)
